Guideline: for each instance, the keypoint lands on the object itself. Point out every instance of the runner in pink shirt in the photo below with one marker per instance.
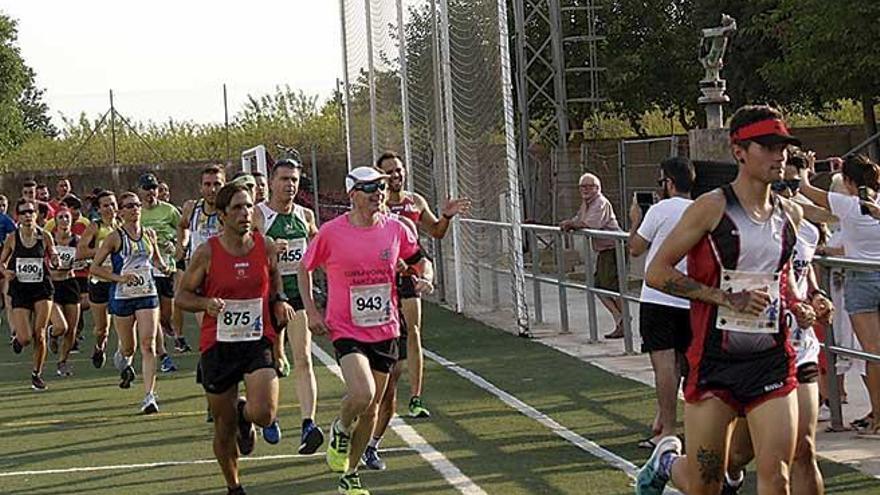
(360, 252)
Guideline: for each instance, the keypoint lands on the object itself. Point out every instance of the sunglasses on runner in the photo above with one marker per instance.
(26, 212)
(369, 187)
(129, 206)
(781, 185)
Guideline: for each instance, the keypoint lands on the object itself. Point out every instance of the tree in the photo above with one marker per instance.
(22, 111)
(828, 49)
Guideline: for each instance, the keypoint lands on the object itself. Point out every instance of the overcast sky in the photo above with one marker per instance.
(169, 59)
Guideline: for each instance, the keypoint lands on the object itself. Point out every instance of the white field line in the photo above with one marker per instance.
(150, 465)
(432, 456)
(583, 443)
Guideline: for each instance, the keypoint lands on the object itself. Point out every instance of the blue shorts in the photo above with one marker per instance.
(127, 307)
(861, 292)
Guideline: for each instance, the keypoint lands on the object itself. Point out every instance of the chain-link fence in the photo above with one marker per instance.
(432, 79)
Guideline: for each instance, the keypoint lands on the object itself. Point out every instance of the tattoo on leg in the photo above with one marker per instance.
(711, 466)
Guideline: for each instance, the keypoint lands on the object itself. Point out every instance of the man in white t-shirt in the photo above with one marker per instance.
(663, 319)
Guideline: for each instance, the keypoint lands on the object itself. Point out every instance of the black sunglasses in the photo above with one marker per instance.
(25, 212)
(369, 187)
(129, 206)
(781, 185)
(149, 188)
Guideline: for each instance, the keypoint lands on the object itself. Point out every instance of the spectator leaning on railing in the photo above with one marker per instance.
(860, 230)
(596, 213)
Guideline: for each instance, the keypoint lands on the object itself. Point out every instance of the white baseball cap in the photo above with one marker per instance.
(362, 174)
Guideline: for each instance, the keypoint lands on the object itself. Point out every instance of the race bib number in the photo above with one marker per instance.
(733, 321)
(371, 305)
(290, 258)
(141, 285)
(29, 270)
(66, 255)
(240, 321)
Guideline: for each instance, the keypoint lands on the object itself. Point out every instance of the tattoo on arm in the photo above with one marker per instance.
(682, 285)
(711, 466)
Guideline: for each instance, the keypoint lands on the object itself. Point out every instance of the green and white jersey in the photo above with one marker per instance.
(293, 228)
(163, 219)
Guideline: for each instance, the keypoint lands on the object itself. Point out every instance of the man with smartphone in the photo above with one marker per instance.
(663, 319)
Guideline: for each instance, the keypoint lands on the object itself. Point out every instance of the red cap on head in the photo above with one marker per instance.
(766, 132)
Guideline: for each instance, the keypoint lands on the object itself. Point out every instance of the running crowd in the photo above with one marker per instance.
(241, 257)
(730, 309)
(732, 313)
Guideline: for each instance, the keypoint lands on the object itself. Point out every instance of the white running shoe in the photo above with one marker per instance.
(824, 413)
(149, 404)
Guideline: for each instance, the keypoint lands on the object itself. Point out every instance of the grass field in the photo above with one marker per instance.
(87, 423)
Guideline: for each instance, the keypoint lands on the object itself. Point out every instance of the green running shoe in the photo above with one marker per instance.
(417, 409)
(350, 484)
(337, 451)
(649, 480)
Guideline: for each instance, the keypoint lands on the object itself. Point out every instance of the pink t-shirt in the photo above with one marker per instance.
(360, 265)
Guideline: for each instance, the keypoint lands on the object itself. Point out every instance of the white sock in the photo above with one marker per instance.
(374, 442)
(734, 482)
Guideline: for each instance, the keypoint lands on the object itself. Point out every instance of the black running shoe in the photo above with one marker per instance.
(127, 376)
(247, 434)
(16, 346)
(311, 438)
(180, 345)
(99, 357)
(238, 490)
(37, 382)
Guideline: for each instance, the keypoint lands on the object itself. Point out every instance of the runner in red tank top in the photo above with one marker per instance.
(739, 241)
(240, 292)
(413, 206)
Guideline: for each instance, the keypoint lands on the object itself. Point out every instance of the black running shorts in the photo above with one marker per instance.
(808, 373)
(165, 287)
(226, 363)
(664, 327)
(83, 283)
(99, 292)
(66, 291)
(406, 287)
(25, 295)
(382, 355)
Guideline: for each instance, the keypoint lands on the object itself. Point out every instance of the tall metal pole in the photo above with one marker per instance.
(404, 96)
(346, 94)
(317, 201)
(226, 125)
(451, 149)
(371, 80)
(112, 129)
(522, 101)
(439, 155)
(518, 281)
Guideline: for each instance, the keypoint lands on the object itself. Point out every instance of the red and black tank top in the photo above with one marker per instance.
(406, 208)
(744, 244)
(237, 280)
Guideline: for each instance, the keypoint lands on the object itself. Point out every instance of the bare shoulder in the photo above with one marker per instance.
(202, 256)
(792, 209)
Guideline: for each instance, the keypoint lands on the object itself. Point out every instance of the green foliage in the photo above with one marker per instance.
(286, 116)
(22, 111)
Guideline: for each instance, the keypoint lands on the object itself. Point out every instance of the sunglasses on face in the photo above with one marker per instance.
(130, 206)
(781, 185)
(150, 188)
(369, 187)
(26, 212)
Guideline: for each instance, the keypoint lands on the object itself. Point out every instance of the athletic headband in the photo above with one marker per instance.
(767, 127)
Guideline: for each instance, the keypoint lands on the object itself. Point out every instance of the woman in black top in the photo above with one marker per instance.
(66, 310)
(24, 262)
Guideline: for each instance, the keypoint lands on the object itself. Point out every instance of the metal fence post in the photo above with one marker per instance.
(560, 276)
(833, 392)
(590, 277)
(493, 272)
(536, 284)
(622, 284)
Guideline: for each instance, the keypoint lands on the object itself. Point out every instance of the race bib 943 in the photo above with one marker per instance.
(371, 304)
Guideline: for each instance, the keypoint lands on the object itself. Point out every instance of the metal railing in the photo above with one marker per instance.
(561, 281)
(832, 351)
(531, 236)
